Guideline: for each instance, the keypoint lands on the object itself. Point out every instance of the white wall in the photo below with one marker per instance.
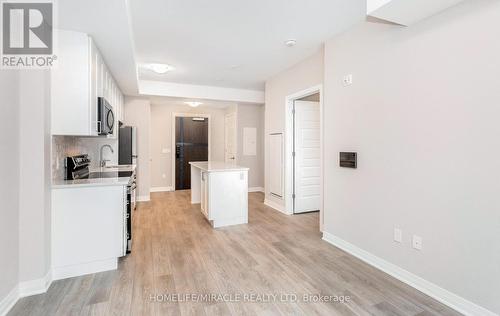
(304, 75)
(35, 175)
(423, 114)
(138, 114)
(252, 115)
(161, 138)
(9, 181)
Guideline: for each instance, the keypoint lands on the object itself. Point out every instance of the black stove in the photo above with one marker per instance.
(77, 167)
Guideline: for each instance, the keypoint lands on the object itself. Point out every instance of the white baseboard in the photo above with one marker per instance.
(60, 273)
(9, 301)
(144, 198)
(38, 286)
(33, 287)
(276, 206)
(256, 189)
(161, 189)
(230, 222)
(446, 297)
(23, 289)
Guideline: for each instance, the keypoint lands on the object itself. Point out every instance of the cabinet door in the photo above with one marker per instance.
(113, 103)
(105, 76)
(121, 107)
(93, 89)
(204, 195)
(113, 92)
(106, 83)
(99, 66)
(70, 81)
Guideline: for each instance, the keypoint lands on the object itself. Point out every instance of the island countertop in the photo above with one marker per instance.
(217, 166)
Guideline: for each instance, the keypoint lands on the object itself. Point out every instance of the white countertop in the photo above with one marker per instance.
(112, 168)
(217, 166)
(118, 181)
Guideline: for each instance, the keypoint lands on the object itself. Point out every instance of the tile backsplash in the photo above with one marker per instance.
(64, 146)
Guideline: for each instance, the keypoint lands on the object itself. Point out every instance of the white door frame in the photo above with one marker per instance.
(174, 115)
(289, 100)
(235, 136)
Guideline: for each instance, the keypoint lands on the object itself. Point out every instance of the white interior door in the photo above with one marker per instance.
(230, 137)
(307, 156)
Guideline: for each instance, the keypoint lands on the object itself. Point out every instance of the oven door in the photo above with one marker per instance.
(128, 224)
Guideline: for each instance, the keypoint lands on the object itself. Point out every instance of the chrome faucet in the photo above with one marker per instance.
(102, 162)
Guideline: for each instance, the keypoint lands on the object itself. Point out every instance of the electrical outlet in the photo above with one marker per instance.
(417, 242)
(398, 235)
(347, 80)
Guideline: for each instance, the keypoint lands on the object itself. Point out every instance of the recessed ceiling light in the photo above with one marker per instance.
(193, 104)
(160, 68)
(290, 43)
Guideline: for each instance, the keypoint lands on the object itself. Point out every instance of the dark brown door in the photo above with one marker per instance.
(191, 144)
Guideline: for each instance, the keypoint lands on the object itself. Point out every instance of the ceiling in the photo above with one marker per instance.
(108, 23)
(181, 102)
(234, 43)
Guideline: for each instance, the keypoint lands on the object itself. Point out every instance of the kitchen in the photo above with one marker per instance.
(96, 166)
(94, 162)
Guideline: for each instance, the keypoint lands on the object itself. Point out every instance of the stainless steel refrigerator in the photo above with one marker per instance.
(127, 145)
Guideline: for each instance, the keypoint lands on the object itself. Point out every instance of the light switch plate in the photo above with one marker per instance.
(347, 80)
(165, 151)
(398, 235)
(417, 242)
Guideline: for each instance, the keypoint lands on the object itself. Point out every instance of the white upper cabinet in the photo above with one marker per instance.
(78, 79)
(72, 94)
(406, 12)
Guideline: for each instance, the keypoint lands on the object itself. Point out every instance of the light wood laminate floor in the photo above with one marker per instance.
(176, 251)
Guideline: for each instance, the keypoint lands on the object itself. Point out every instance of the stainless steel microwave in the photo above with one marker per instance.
(105, 117)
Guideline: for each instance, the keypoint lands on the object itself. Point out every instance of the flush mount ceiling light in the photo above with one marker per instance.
(160, 68)
(290, 43)
(193, 104)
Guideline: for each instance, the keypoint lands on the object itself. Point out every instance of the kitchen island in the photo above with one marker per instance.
(221, 189)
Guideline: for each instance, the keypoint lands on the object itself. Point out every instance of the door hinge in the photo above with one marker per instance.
(293, 154)
(293, 196)
(293, 111)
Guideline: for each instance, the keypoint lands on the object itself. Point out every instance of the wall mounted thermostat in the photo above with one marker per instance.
(349, 159)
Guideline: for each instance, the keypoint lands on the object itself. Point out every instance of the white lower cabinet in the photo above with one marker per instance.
(222, 193)
(88, 229)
